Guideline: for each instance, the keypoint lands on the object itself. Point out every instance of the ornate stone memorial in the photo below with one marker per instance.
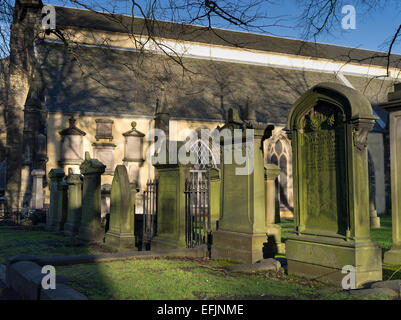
(329, 126)
(121, 227)
(71, 144)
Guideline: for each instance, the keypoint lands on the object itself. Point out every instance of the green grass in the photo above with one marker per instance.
(39, 243)
(187, 279)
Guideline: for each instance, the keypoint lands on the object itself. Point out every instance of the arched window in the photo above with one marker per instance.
(279, 153)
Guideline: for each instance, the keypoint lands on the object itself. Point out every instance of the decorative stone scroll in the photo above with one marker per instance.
(328, 126)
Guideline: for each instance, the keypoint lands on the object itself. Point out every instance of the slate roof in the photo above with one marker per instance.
(112, 82)
(70, 17)
(120, 82)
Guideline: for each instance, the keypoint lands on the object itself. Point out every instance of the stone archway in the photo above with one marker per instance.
(279, 153)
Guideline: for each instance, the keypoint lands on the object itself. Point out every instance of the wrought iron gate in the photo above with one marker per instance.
(197, 205)
(149, 222)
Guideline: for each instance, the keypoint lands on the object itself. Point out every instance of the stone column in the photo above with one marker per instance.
(37, 189)
(121, 227)
(90, 228)
(74, 212)
(55, 176)
(393, 106)
(273, 230)
(374, 219)
(215, 197)
(242, 227)
(62, 206)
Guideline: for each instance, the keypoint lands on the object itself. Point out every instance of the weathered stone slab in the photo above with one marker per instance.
(55, 176)
(62, 292)
(121, 227)
(74, 213)
(384, 293)
(263, 265)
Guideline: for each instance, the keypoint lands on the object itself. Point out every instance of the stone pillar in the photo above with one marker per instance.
(374, 219)
(329, 126)
(121, 227)
(74, 212)
(215, 197)
(242, 227)
(71, 145)
(171, 215)
(56, 176)
(273, 230)
(90, 228)
(105, 198)
(37, 189)
(62, 206)
(393, 106)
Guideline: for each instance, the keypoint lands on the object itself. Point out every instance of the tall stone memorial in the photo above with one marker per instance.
(90, 228)
(74, 214)
(329, 126)
(242, 228)
(56, 198)
(121, 227)
(393, 106)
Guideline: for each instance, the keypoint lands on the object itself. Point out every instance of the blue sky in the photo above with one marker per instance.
(374, 29)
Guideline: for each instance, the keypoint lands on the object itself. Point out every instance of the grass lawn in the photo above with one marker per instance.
(39, 243)
(163, 279)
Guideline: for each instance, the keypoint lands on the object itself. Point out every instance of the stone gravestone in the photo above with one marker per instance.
(121, 226)
(90, 229)
(329, 126)
(242, 228)
(393, 106)
(55, 176)
(74, 182)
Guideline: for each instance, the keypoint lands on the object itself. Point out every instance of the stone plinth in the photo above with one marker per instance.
(90, 228)
(74, 212)
(121, 227)
(329, 126)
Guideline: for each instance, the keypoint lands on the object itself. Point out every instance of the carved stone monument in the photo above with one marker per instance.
(71, 144)
(329, 126)
(242, 228)
(121, 227)
(90, 229)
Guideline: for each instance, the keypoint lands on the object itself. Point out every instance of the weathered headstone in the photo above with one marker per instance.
(90, 228)
(242, 228)
(55, 176)
(74, 212)
(121, 227)
(37, 189)
(61, 216)
(329, 126)
(273, 229)
(393, 106)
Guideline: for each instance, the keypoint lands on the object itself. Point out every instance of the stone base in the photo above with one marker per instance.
(90, 234)
(393, 257)
(322, 259)
(237, 246)
(374, 222)
(275, 231)
(120, 240)
(164, 243)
